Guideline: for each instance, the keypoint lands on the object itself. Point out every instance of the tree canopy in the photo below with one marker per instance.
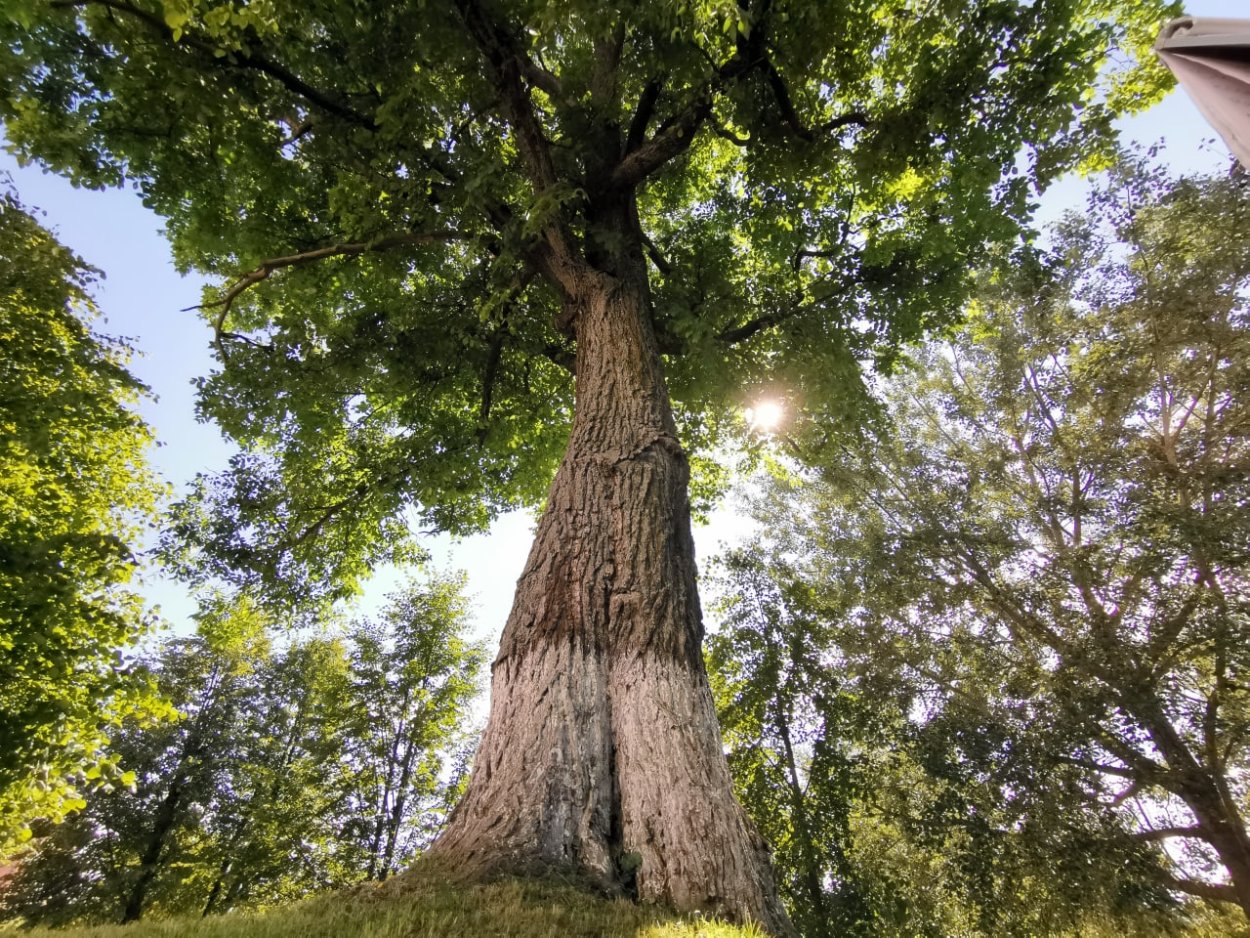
(812, 184)
(75, 493)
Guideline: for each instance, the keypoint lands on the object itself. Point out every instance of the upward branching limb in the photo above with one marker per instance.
(661, 262)
(671, 140)
(542, 79)
(1167, 833)
(674, 136)
(511, 69)
(645, 156)
(1137, 773)
(759, 324)
(726, 134)
(781, 94)
(604, 80)
(754, 49)
(643, 112)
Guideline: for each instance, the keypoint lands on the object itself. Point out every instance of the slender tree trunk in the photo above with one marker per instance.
(149, 863)
(239, 835)
(385, 800)
(163, 822)
(813, 876)
(602, 751)
(215, 893)
(166, 816)
(396, 819)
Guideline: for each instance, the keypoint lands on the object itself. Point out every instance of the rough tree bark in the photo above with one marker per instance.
(602, 752)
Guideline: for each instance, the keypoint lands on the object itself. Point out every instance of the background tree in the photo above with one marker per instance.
(75, 492)
(254, 795)
(1047, 541)
(112, 859)
(901, 807)
(230, 648)
(463, 200)
(274, 828)
(801, 740)
(413, 676)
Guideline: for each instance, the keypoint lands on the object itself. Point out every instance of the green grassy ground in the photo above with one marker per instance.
(424, 906)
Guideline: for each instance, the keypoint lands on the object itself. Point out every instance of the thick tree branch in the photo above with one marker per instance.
(510, 72)
(851, 119)
(657, 257)
(768, 320)
(1166, 833)
(759, 324)
(1214, 892)
(781, 93)
(561, 356)
(1144, 768)
(267, 267)
(644, 159)
(244, 58)
(1118, 771)
(542, 79)
(1159, 644)
(754, 49)
(1131, 790)
(726, 134)
(799, 256)
(298, 130)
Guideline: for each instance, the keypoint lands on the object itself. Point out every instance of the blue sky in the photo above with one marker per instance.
(142, 298)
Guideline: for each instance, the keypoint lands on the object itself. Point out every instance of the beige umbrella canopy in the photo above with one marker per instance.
(1211, 60)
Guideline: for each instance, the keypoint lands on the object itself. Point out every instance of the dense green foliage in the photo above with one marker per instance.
(402, 200)
(1005, 634)
(413, 186)
(75, 492)
(288, 770)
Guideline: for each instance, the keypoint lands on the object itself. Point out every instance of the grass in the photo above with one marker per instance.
(423, 905)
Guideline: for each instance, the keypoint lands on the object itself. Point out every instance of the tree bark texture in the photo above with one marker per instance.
(602, 752)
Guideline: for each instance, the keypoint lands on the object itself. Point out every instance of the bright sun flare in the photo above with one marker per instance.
(765, 416)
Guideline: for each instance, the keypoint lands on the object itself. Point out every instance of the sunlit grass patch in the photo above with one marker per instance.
(423, 907)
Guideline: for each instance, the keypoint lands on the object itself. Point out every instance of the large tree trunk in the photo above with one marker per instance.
(603, 752)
